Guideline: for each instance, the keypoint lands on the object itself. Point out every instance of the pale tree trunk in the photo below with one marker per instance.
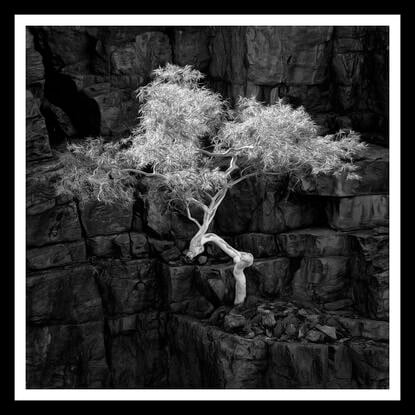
(241, 260)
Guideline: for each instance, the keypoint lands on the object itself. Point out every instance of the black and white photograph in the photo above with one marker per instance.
(207, 206)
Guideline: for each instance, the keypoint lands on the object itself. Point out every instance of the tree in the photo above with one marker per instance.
(195, 148)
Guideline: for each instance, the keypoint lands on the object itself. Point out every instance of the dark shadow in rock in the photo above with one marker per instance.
(82, 111)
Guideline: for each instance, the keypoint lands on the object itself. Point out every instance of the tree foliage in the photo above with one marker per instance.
(194, 146)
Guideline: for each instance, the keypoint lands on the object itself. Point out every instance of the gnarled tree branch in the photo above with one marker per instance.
(144, 173)
(228, 153)
(189, 215)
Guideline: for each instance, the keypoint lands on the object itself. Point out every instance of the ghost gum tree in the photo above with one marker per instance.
(194, 147)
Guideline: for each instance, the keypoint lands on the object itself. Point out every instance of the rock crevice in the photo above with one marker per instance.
(318, 292)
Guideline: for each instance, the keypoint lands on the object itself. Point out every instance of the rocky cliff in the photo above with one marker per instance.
(111, 303)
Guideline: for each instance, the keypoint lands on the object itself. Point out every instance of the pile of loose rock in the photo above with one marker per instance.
(292, 322)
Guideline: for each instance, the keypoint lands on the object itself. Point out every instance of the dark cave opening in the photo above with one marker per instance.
(83, 112)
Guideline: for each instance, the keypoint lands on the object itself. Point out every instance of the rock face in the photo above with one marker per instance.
(288, 55)
(315, 242)
(37, 141)
(373, 169)
(67, 356)
(358, 212)
(100, 219)
(59, 224)
(228, 361)
(111, 301)
(322, 279)
(92, 72)
(56, 255)
(138, 350)
(204, 356)
(67, 296)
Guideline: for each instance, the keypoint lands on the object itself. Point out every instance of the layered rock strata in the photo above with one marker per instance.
(111, 303)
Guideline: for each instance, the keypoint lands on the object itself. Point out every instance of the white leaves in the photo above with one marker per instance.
(176, 112)
(284, 140)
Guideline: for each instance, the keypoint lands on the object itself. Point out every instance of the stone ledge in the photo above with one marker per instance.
(232, 361)
(359, 212)
(315, 242)
(373, 166)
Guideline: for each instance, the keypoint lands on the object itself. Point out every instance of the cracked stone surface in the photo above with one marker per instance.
(111, 301)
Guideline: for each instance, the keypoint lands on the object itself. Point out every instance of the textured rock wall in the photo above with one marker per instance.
(110, 300)
(340, 74)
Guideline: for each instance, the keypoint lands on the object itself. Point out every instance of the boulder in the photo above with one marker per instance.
(234, 322)
(329, 331)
